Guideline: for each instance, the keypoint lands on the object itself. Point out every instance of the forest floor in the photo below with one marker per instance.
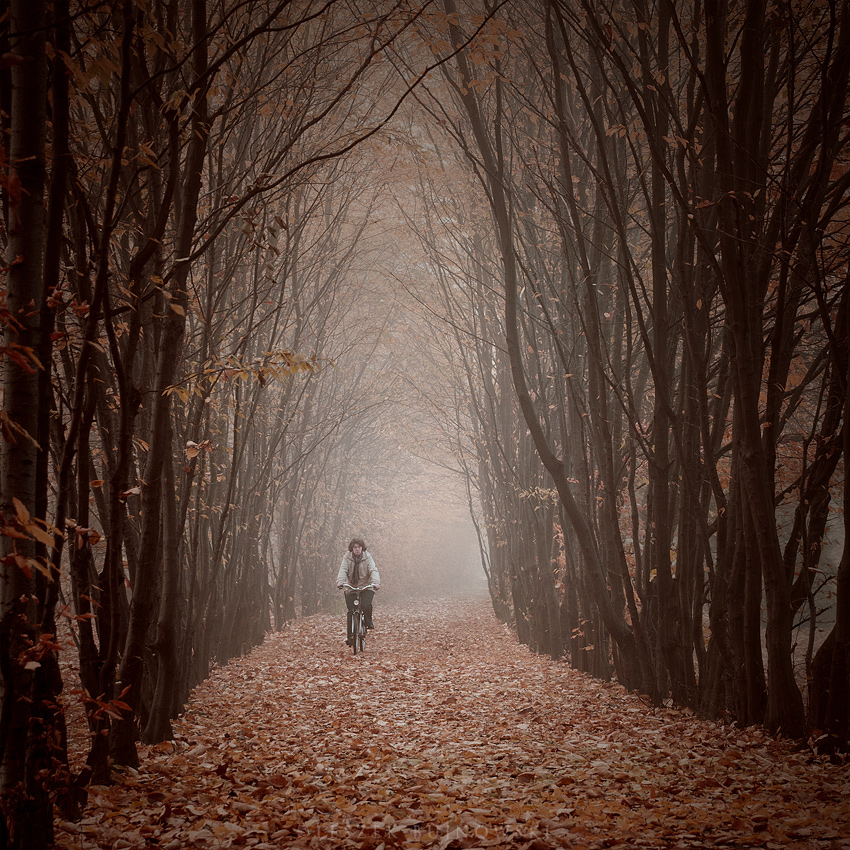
(447, 734)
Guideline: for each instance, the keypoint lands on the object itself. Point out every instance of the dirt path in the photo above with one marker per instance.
(448, 734)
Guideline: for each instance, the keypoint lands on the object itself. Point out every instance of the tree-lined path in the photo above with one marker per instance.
(447, 733)
(546, 299)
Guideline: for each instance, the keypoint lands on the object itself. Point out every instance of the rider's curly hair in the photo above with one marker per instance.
(354, 542)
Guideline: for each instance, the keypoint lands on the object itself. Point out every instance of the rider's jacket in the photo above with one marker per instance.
(366, 569)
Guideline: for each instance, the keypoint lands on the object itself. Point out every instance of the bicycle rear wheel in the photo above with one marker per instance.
(362, 637)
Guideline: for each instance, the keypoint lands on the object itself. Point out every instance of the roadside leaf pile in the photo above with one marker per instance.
(448, 734)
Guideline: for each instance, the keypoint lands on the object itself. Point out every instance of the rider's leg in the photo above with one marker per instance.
(349, 601)
(366, 601)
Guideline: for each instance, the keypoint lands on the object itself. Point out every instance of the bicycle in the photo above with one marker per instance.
(358, 619)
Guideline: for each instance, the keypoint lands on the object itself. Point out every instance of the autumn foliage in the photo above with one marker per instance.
(448, 734)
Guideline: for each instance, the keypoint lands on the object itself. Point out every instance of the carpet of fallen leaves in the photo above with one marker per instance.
(448, 734)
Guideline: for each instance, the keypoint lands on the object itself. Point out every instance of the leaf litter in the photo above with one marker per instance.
(446, 733)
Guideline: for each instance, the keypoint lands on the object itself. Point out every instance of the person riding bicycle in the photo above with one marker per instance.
(358, 569)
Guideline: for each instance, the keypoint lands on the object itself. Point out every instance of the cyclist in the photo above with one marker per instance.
(358, 569)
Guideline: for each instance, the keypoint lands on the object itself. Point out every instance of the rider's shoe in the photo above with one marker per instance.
(349, 641)
(370, 625)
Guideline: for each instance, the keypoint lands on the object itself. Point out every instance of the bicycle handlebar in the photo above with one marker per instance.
(365, 587)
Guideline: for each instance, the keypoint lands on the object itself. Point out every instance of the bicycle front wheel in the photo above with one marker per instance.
(356, 625)
(362, 633)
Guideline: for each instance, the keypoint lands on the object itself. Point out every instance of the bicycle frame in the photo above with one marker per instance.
(358, 618)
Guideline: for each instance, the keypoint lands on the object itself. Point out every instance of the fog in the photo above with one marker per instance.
(404, 490)
(422, 538)
(409, 503)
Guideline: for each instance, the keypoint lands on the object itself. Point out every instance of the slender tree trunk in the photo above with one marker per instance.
(145, 596)
(158, 726)
(830, 687)
(739, 205)
(27, 812)
(633, 671)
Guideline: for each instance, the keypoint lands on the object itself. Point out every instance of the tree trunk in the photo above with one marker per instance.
(632, 670)
(145, 594)
(27, 811)
(739, 205)
(158, 726)
(830, 686)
